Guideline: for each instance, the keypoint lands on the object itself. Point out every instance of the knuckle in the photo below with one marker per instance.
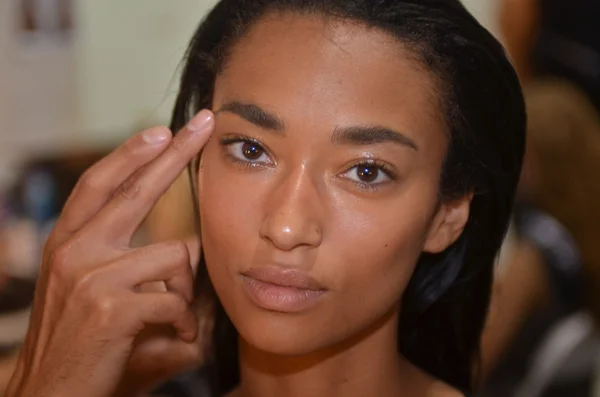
(130, 189)
(58, 262)
(178, 144)
(104, 308)
(179, 251)
(90, 180)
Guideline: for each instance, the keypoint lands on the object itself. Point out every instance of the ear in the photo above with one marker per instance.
(448, 224)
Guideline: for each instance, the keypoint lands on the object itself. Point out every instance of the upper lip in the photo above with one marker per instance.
(284, 277)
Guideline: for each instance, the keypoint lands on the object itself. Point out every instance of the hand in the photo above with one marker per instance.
(89, 310)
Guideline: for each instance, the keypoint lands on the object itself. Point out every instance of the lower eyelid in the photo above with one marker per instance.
(247, 165)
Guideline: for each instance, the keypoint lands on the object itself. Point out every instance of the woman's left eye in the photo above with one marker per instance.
(368, 174)
(248, 151)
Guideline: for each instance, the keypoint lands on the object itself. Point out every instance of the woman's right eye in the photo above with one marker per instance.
(247, 151)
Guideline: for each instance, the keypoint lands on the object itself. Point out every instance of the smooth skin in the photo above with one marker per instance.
(292, 178)
(340, 180)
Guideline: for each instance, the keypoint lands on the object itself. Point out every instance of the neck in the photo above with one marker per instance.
(366, 365)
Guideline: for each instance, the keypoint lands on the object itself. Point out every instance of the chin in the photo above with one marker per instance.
(280, 333)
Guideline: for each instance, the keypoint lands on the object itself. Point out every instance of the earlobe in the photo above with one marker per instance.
(448, 225)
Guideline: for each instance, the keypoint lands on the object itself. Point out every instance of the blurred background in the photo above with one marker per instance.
(77, 77)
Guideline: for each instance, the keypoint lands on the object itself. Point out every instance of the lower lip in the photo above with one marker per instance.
(279, 298)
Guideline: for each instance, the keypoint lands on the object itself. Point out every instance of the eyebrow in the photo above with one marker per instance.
(369, 135)
(353, 135)
(254, 115)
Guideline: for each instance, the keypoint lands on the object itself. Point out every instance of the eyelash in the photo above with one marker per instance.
(229, 140)
(381, 166)
(387, 170)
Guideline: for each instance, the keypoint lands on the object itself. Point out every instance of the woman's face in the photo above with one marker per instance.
(319, 187)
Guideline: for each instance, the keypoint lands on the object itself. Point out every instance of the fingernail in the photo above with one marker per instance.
(154, 136)
(200, 121)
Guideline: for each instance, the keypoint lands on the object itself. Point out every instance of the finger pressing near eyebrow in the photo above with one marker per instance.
(98, 184)
(132, 202)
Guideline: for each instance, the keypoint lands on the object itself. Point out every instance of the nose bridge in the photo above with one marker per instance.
(294, 211)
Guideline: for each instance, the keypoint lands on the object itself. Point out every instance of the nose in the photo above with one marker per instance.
(294, 214)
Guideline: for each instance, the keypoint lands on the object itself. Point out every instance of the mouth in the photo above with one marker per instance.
(282, 290)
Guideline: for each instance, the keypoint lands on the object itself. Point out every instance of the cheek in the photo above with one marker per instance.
(229, 215)
(377, 248)
(378, 262)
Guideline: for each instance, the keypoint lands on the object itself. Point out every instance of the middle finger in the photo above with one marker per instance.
(123, 214)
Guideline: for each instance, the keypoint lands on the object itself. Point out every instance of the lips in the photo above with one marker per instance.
(284, 277)
(282, 290)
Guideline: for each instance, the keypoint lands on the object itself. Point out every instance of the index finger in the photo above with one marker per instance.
(123, 214)
(99, 182)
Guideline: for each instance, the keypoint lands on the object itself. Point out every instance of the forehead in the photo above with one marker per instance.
(326, 69)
